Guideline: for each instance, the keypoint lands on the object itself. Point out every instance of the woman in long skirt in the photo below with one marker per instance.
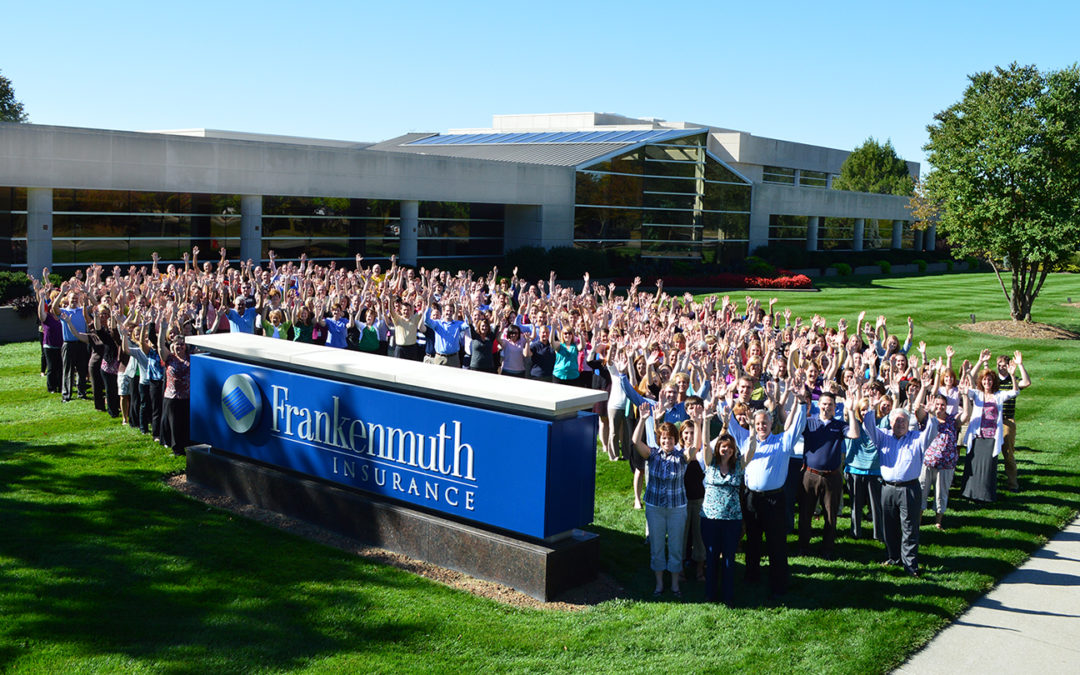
(985, 431)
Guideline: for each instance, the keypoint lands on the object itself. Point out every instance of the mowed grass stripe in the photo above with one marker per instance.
(105, 569)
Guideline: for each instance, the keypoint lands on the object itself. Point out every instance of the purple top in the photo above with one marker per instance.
(988, 429)
(52, 331)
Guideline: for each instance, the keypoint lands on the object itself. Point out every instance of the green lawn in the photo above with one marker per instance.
(104, 568)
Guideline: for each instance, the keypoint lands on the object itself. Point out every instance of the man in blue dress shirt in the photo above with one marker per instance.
(448, 334)
(766, 458)
(901, 495)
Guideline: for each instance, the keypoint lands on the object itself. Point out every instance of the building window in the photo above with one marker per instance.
(664, 200)
(816, 179)
(13, 228)
(787, 228)
(836, 234)
(459, 230)
(330, 228)
(123, 227)
(877, 234)
(778, 174)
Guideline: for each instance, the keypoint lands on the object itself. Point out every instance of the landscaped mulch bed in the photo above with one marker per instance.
(603, 588)
(1021, 329)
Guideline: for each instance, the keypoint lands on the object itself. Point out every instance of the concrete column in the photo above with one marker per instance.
(857, 235)
(759, 220)
(522, 226)
(410, 216)
(39, 235)
(797, 175)
(918, 240)
(897, 234)
(828, 181)
(251, 228)
(931, 238)
(812, 224)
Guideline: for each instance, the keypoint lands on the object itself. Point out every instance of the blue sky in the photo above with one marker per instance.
(822, 73)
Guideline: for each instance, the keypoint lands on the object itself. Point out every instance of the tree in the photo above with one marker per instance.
(10, 108)
(873, 167)
(924, 209)
(1006, 179)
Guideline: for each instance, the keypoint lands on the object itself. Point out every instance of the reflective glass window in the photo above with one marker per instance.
(607, 223)
(667, 200)
(877, 234)
(685, 197)
(608, 189)
(778, 174)
(818, 179)
(836, 233)
(671, 168)
(716, 171)
(787, 228)
(724, 197)
(727, 226)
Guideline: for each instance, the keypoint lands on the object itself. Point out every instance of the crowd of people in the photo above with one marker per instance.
(733, 419)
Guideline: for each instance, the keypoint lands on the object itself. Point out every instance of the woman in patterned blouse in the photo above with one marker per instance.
(721, 514)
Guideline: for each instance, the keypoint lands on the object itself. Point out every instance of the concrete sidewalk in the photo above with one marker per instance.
(1028, 623)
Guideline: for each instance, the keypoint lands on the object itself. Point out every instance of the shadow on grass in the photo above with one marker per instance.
(855, 281)
(854, 580)
(116, 563)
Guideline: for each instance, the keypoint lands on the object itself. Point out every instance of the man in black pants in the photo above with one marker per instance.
(823, 481)
(766, 459)
(74, 353)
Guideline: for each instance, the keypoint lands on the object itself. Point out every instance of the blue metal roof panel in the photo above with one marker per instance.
(540, 137)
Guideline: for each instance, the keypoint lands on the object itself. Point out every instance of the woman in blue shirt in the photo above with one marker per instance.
(665, 499)
(566, 356)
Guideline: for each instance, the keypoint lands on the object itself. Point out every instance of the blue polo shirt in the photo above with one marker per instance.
(78, 319)
(242, 323)
(338, 330)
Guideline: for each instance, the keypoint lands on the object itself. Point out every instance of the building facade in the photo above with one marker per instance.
(638, 187)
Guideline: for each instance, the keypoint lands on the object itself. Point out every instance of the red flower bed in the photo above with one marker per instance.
(732, 280)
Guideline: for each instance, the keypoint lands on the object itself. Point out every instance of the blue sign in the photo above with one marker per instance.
(531, 476)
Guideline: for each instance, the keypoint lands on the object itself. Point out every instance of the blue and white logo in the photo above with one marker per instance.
(241, 402)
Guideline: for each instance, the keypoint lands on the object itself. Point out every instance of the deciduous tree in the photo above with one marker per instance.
(1006, 178)
(11, 110)
(873, 167)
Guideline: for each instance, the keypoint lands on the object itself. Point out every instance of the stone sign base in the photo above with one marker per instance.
(539, 569)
